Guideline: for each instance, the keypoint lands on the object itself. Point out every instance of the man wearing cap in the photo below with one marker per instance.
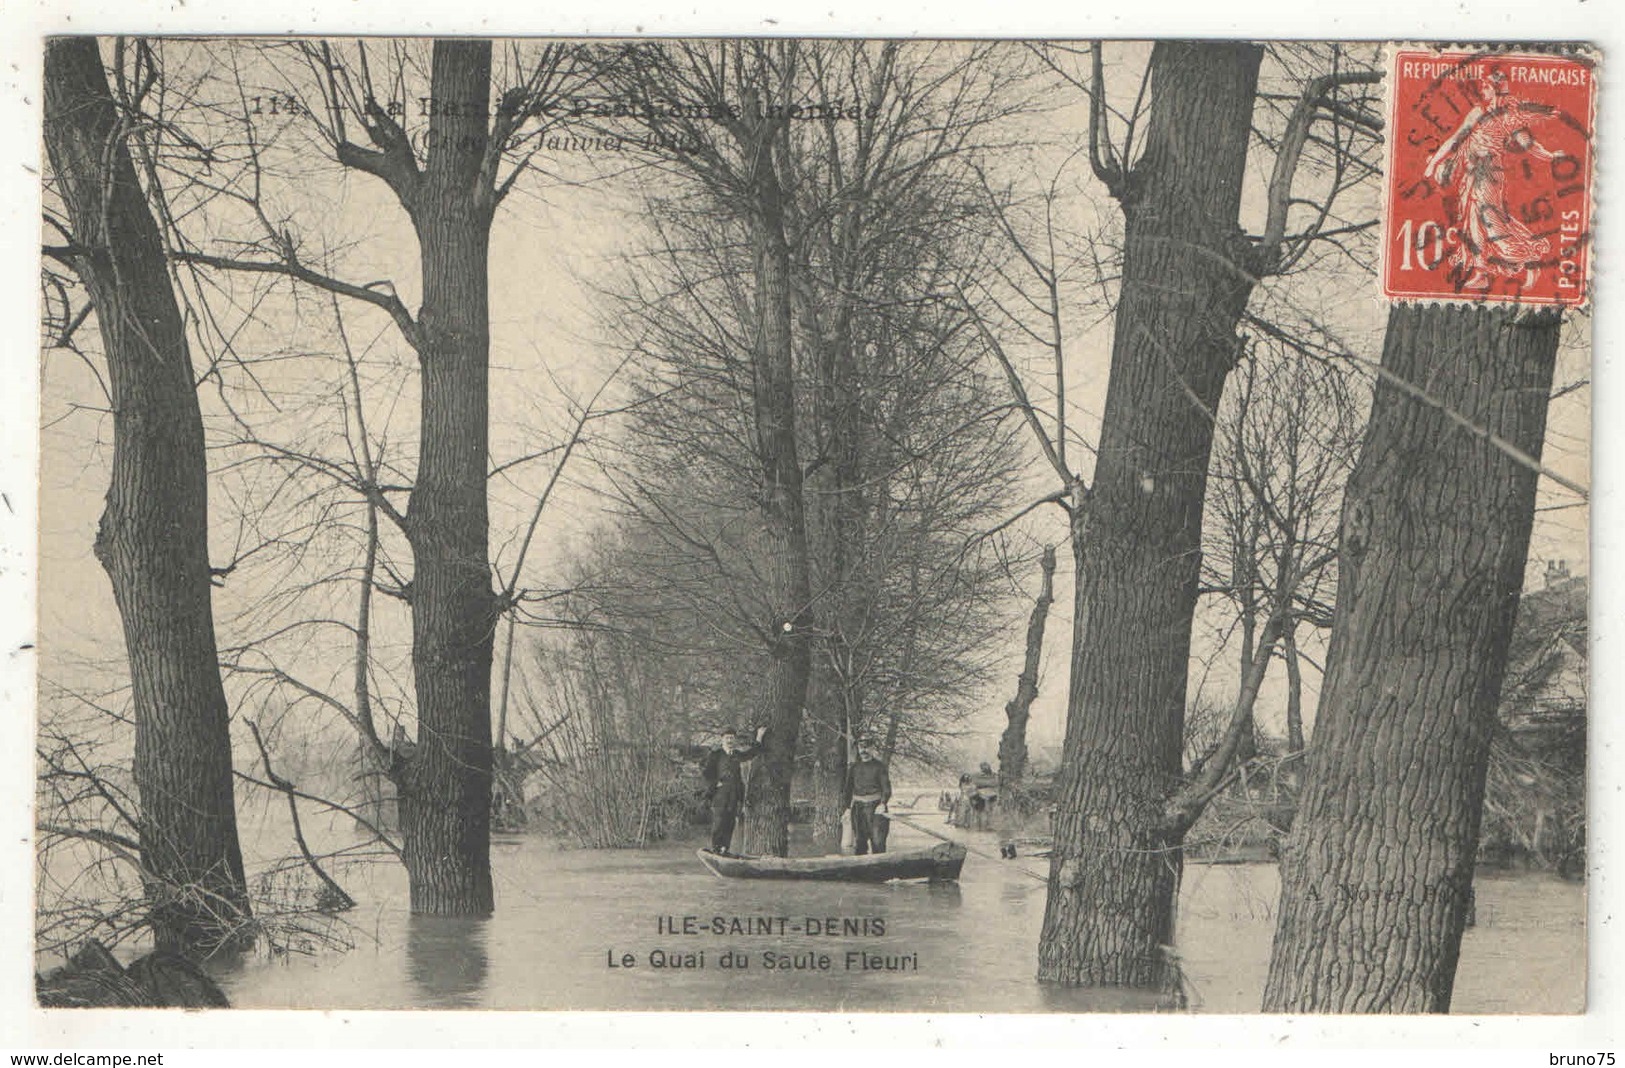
(868, 783)
(725, 785)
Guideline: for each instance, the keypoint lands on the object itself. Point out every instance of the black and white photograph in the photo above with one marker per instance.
(813, 524)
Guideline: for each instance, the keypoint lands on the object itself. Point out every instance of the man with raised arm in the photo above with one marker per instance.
(725, 785)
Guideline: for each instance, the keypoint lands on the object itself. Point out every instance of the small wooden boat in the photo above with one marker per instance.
(940, 863)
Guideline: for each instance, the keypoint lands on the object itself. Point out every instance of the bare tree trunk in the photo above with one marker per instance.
(1115, 872)
(827, 737)
(1293, 776)
(1377, 873)
(833, 689)
(445, 789)
(1248, 747)
(767, 800)
(153, 538)
(1013, 742)
(378, 796)
(906, 664)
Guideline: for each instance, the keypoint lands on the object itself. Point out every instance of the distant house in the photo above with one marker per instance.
(1534, 807)
(1543, 699)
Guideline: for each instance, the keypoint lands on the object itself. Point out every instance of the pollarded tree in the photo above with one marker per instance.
(732, 166)
(1375, 878)
(153, 538)
(1013, 740)
(1188, 272)
(736, 154)
(902, 454)
(451, 174)
(1136, 530)
(885, 215)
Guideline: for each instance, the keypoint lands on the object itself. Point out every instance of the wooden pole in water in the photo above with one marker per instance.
(927, 830)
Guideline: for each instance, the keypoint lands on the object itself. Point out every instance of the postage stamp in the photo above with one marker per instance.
(1489, 177)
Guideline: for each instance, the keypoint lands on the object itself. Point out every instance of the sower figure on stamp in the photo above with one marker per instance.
(1475, 159)
(725, 785)
(868, 783)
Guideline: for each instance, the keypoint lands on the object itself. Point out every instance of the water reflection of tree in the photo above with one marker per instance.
(446, 959)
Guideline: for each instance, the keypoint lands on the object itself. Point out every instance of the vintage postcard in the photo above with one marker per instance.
(814, 524)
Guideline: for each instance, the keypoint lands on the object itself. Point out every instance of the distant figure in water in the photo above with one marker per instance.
(725, 785)
(868, 783)
(977, 794)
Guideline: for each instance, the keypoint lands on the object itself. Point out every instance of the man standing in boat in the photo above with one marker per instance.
(725, 785)
(868, 783)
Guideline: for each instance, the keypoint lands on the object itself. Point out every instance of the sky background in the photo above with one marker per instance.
(562, 236)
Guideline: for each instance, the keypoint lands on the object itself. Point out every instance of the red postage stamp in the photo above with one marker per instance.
(1489, 177)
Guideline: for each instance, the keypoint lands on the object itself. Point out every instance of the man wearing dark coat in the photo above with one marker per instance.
(725, 785)
(868, 784)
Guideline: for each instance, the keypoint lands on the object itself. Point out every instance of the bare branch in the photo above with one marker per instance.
(370, 294)
(1267, 254)
(1023, 402)
(1103, 160)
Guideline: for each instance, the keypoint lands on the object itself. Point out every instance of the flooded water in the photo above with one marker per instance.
(585, 929)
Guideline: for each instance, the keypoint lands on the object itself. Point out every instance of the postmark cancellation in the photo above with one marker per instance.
(1489, 176)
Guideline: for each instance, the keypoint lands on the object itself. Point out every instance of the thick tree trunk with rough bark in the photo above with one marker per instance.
(445, 787)
(153, 538)
(1377, 873)
(1013, 742)
(1115, 871)
(789, 583)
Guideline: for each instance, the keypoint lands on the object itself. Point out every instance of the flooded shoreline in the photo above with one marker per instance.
(583, 929)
